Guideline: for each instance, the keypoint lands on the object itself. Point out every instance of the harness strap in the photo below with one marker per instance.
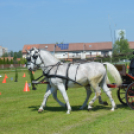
(63, 77)
(76, 71)
(57, 64)
(66, 82)
(57, 67)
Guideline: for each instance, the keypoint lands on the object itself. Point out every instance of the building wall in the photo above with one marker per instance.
(3, 50)
(79, 54)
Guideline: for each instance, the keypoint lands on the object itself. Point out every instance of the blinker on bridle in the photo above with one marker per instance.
(35, 56)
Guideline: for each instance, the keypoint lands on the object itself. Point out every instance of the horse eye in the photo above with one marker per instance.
(28, 58)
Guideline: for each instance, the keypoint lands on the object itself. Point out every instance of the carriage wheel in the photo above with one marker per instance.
(130, 95)
(121, 95)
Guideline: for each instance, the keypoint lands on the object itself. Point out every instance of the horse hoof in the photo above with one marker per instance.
(105, 103)
(40, 110)
(68, 111)
(89, 109)
(112, 110)
(81, 108)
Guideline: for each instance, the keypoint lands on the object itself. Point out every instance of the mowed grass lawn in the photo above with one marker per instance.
(19, 111)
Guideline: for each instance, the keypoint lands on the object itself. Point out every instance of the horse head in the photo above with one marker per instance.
(33, 59)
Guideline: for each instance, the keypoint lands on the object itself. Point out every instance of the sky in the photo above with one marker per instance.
(68, 21)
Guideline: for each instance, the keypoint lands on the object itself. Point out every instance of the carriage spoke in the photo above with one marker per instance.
(131, 91)
(123, 98)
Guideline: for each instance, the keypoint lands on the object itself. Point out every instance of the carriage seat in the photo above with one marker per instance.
(121, 68)
(131, 68)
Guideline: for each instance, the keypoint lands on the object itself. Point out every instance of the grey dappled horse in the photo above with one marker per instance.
(92, 74)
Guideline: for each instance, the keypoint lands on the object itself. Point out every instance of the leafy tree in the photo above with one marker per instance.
(0, 61)
(4, 60)
(15, 58)
(19, 54)
(11, 53)
(7, 61)
(11, 61)
(22, 61)
(5, 55)
(121, 46)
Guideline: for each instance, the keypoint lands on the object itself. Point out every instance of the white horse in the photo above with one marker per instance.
(87, 74)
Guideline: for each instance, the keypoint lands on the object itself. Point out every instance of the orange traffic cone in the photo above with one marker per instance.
(32, 72)
(26, 88)
(4, 80)
(127, 67)
(6, 76)
(0, 93)
(24, 75)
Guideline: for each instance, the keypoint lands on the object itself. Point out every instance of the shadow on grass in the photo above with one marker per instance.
(121, 106)
(76, 108)
(118, 106)
(55, 108)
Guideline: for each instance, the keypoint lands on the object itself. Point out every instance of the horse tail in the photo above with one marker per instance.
(107, 80)
(111, 69)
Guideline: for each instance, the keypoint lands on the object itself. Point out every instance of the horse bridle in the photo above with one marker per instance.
(34, 56)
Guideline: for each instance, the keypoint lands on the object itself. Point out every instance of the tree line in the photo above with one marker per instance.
(4, 59)
(12, 61)
(121, 47)
(13, 54)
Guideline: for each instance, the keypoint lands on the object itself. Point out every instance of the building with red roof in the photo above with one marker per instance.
(75, 50)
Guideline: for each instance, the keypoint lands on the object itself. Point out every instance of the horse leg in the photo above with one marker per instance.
(89, 92)
(55, 97)
(102, 102)
(48, 92)
(61, 87)
(97, 94)
(109, 94)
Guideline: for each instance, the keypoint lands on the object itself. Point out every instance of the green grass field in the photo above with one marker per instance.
(19, 111)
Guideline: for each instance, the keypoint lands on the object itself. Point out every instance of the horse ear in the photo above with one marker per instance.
(27, 51)
(35, 48)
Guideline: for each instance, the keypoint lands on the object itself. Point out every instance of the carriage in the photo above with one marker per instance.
(125, 91)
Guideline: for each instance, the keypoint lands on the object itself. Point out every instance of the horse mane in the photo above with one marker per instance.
(50, 55)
